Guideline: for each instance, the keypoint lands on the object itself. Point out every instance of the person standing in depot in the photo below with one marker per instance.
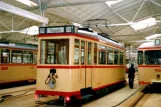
(131, 75)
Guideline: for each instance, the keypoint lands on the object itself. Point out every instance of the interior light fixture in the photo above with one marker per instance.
(110, 3)
(34, 30)
(27, 2)
(77, 24)
(143, 24)
(152, 36)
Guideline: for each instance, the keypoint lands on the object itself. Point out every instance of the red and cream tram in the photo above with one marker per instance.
(74, 62)
(17, 62)
(149, 63)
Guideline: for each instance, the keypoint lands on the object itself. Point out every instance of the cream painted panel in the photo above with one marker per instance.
(147, 74)
(17, 73)
(88, 77)
(63, 82)
(78, 79)
(105, 76)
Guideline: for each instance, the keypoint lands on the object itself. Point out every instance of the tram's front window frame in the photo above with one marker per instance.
(152, 57)
(54, 51)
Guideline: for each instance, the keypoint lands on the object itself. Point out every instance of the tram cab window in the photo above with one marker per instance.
(121, 57)
(16, 56)
(27, 57)
(54, 51)
(153, 57)
(102, 54)
(110, 55)
(82, 52)
(76, 51)
(116, 57)
(5, 56)
(140, 57)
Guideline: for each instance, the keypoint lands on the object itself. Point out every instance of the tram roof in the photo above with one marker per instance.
(149, 45)
(19, 46)
(95, 35)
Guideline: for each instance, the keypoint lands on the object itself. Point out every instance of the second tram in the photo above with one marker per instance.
(17, 62)
(77, 63)
(149, 63)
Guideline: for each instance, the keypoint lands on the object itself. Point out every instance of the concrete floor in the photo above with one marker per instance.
(109, 100)
(150, 100)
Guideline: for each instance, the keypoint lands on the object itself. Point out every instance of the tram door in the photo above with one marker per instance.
(88, 65)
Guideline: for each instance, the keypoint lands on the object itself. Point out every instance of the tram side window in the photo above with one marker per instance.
(110, 56)
(16, 56)
(27, 57)
(5, 56)
(76, 51)
(116, 57)
(34, 58)
(121, 57)
(153, 57)
(102, 54)
(95, 53)
(54, 51)
(89, 53)
(140, 57)
(82, 52)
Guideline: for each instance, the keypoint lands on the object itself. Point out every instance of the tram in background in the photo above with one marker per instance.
(77, 63)
(17, 62)
(149, 63)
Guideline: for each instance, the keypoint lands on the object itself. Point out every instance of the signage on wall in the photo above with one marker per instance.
(58, 29)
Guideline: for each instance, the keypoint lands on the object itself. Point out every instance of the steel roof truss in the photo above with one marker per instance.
(20, 12)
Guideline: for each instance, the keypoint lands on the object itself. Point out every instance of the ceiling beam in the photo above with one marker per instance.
(138, 10)
(118, 14)
(76, 3)
(155, 3)
(20, 12)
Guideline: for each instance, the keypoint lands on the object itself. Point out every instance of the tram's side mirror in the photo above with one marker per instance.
(53, 71)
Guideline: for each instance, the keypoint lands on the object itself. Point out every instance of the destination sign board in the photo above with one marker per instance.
(58, 29)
